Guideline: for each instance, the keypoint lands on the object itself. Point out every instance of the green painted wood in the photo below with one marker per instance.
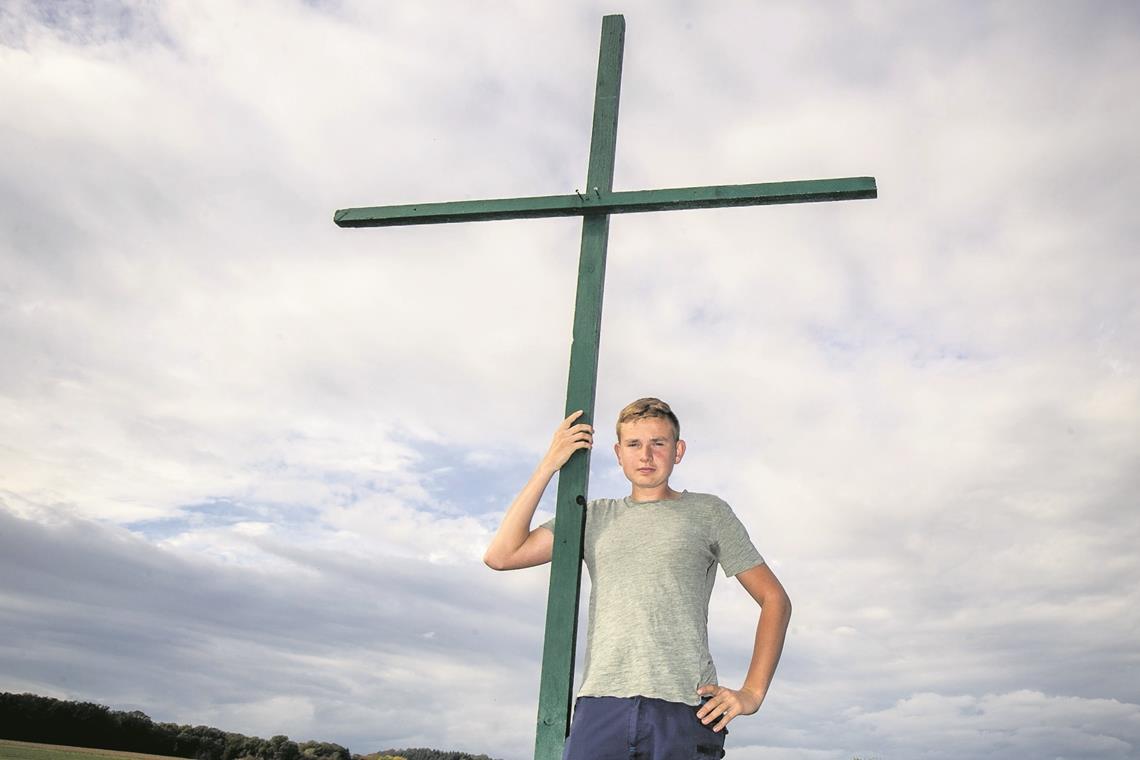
(559, 645)
(600, 201)
(594, 205)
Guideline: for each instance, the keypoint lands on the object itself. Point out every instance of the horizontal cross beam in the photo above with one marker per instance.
(600, 202)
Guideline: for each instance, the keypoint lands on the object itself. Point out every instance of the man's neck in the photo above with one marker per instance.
(660, 493)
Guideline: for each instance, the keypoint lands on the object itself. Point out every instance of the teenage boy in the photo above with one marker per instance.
(650, 688)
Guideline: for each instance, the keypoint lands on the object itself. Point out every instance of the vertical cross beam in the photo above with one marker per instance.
(558, 648)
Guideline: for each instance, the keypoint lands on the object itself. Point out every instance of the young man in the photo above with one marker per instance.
(650, 689)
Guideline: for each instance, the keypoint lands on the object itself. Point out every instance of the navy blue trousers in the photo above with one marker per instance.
(639, 728)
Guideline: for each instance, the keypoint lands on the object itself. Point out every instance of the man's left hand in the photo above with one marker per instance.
(726, 704)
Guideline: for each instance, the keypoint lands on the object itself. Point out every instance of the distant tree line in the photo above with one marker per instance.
(422, 754)
(31, 718)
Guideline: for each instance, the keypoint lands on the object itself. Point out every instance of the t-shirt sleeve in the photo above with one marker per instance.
(549, 525)
(734, 549)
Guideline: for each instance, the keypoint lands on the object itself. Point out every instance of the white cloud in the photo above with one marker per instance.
(999, 725)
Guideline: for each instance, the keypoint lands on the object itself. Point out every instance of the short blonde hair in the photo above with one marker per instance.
(648, 407)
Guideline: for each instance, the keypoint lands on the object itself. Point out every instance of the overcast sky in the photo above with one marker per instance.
(249, 461)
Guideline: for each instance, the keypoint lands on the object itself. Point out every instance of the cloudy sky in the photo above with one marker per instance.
(249, 461)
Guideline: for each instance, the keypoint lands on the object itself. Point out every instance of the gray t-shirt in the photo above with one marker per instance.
(652, 566)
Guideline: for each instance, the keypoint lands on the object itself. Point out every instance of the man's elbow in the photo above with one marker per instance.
(778, 603)
(785, 602)
(495, 562)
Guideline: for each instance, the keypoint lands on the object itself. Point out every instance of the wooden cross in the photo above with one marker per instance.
(594, 206)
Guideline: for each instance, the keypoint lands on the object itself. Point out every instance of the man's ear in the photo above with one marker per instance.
(680, 452)
(617, 451)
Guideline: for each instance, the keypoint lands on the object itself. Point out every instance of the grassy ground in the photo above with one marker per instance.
(10, 750)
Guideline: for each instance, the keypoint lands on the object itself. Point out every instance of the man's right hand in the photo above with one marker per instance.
(568, 438)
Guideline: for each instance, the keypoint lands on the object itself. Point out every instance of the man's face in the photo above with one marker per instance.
(647, 451)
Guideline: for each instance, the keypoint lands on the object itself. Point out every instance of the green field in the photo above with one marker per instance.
(10, 750)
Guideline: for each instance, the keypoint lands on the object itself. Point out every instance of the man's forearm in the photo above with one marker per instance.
(771, 630)
(515, 527)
